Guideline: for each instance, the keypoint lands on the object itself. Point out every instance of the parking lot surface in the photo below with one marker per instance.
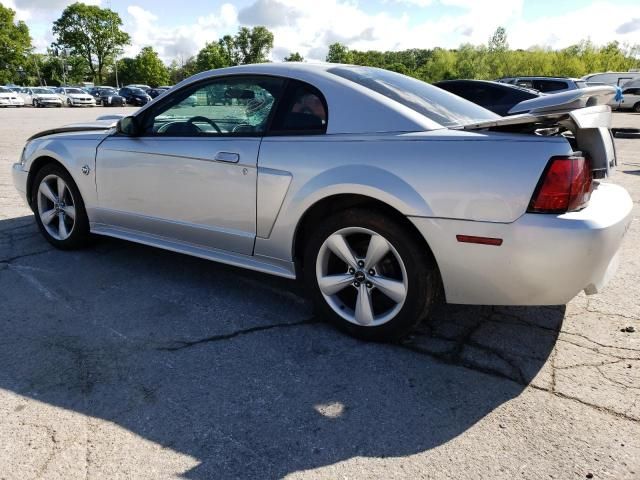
(124, 361)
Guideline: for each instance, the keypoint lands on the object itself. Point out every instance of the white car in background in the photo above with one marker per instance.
(40, 97)
(9, 98)
(75, 97)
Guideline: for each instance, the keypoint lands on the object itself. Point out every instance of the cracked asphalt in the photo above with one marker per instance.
(124, 361)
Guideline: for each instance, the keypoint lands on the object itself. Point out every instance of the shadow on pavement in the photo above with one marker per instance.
(231, 368)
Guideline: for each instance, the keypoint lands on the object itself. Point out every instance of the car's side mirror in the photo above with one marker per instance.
(128, 126)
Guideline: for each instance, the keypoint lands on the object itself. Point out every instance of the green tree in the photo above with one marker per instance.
(251, 45)
(213, 55)
(15, 45)
(498, 41)
(93, 33)
(338, 53)
(294, 57)
(149, 69)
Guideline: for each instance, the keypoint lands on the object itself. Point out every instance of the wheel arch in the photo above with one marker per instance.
(37, 165)
(343, 201)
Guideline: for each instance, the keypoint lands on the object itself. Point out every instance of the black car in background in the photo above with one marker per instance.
(134, 96)
(154, 92)
(107, 97)
(500, 98)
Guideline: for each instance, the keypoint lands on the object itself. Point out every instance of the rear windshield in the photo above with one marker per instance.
(438, 105)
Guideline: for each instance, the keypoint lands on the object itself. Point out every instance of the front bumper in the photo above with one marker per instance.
(20, 180)
(544, 259)
(49, 101)
(82, 103)
(12, 103)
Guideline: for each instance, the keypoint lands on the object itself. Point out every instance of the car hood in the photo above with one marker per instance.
(98, 126)
(79, 95)
(8, 95)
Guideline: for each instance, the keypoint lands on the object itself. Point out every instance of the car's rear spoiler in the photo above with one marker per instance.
(566, 101)
(589, 131)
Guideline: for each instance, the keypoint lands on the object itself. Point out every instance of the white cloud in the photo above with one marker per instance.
(180, 41)
(310, 26)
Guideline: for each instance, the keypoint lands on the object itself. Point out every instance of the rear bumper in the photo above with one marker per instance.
(543, 260)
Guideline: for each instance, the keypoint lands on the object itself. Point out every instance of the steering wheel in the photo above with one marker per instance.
(200, 118)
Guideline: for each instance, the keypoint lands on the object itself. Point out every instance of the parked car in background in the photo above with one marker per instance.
(141, 86)
(382, 192)
(506, 100)
(620, 79)
(498, 97)
(630, 99)
(75, 97)
(40, 97)
(134, 96)
(108, 97)
(155, 92)
(9, 98)
(545, 84)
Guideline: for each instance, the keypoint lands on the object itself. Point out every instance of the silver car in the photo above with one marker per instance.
(385, 194)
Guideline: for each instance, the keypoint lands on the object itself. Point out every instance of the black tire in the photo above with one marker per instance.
(421, 272)
(80, 235)
(636, 107)
(69, 104)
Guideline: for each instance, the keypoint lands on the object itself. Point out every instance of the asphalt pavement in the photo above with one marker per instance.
(125, 361)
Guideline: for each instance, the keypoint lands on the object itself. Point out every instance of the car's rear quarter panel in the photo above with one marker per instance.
(484, 177)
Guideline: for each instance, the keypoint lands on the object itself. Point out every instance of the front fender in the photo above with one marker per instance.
(72, 155)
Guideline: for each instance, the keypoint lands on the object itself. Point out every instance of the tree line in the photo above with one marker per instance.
(89, 42)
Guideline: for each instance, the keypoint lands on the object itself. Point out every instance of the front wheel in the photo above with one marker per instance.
(636, 107)
(59, 209)
(369, 275)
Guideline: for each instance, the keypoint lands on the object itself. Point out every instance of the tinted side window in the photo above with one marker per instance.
(302, 111)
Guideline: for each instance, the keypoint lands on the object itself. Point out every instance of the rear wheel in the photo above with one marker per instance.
(369, 276)
(636, 107)
(59, 209)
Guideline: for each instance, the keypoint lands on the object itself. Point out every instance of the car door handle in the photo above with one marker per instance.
(227, 157)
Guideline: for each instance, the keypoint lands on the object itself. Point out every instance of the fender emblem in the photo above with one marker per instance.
(86, 169)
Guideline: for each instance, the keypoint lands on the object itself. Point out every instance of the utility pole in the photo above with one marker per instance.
(115, 56)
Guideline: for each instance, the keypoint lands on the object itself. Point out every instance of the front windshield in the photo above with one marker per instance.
(4, 90)
(109, 91)
(137, 91)
(438, 105)
(74, 90)
(41, 91)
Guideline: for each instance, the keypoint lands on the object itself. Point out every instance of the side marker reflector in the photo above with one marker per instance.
(480, 240)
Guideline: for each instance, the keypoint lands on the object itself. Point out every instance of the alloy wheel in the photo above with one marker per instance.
(361, 276)
(56, 207)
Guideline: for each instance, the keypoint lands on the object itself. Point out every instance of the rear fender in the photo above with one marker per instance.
(364, 180)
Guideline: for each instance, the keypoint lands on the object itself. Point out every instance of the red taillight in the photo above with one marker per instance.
(564, 186)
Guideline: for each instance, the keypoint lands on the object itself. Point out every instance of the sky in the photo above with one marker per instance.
(177, 29)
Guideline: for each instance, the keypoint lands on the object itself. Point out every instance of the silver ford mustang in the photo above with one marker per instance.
(383, 192)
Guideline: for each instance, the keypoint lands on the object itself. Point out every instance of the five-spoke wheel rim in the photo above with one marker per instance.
(56, 207)
(361, 276)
